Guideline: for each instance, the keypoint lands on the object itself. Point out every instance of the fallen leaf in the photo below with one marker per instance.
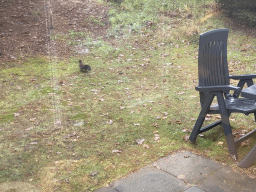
(121, 107)
(173, 143)
(185, 131)
(140, 141)
(16, 114)
(94, 173)
(186, 137)
(79, 124)
(181, 176)
(50, 144)
(58, 122)
(165, 113)
(186, 156)
(220, 143)
(136, 124)
(69, 135)
(155, 125)
(180, 93)
(157, 117)
(110, 122)
(178, 122)
(235, 132)
(145, 146)
(30, 128)
(33, 143)
(157, 137)
(116, 151)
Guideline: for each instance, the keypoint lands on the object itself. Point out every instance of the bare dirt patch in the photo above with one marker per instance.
(25, 26)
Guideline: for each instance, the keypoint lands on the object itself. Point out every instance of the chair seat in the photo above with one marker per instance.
(239, 105)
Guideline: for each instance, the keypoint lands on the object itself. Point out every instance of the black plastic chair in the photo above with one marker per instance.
(214, 81)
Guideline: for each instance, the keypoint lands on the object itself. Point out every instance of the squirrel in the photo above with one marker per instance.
(84, 68)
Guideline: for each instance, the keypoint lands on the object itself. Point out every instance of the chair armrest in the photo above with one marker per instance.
(222, 88)
(246, 76)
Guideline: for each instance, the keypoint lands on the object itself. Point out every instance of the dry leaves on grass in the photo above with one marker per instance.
(185, 131)
(246, 143)
(165, 113)
(186, 137)
(70, 135)
(140, 141)
(157, 137)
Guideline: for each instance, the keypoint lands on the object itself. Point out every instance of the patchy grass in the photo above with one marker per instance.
(58, 125)
(94, 20)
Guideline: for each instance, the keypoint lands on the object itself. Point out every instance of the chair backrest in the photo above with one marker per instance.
(212, 58)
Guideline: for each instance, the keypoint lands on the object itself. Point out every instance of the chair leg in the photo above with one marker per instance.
(248, 160)
(201, 117)
(245, 137)
(241, 85)
(249, 82)
(226, 125)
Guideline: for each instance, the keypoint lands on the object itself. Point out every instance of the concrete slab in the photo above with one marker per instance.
(227, 180)
(194, 189)
(180, 172)
(150, 179)
(188, 166)
(105, 189)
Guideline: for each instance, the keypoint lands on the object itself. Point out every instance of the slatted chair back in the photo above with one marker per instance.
(212, 58)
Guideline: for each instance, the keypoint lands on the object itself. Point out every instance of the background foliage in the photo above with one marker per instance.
(244, 10)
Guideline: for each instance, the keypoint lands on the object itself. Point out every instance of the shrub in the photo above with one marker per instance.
(244, 10)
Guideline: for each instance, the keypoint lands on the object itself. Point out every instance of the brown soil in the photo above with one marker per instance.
(27, 25)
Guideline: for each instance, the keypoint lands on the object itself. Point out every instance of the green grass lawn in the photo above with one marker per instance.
(64, 130)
